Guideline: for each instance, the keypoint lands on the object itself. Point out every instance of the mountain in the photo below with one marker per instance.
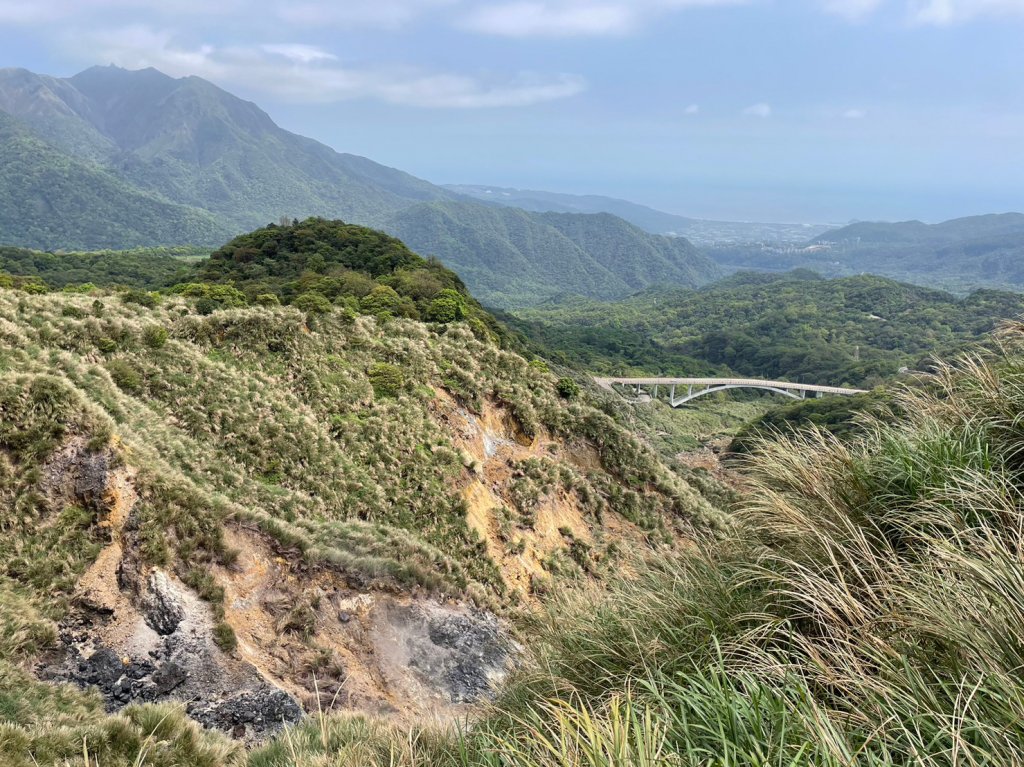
(49, 197)
(191, 142)
(854, 330)
(513, 258)
(700, 231)
(959, 255)
(116, 159)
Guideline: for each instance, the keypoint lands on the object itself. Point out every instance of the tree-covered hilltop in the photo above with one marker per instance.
(855, 330)
(317, 264)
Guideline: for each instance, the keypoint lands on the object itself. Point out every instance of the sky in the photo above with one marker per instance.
(760, 110)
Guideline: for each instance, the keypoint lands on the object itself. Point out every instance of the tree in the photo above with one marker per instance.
(312, 303)
(381, 299)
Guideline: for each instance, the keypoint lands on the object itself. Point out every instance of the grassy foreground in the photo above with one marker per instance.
(868, 609)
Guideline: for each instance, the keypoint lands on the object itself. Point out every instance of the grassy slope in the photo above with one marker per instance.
(207, 409)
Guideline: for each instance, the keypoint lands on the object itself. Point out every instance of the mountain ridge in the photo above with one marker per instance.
(187, 142)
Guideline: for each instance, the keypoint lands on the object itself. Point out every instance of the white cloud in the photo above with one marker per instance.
(852, 9)
(692, 109)
(304, 54)
(854, 114)
(944, 12)
(758, 110)
(353, 13)
(303, 73)
(934, 12)
(566, 18)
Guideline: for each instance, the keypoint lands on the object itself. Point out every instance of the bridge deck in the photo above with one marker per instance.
(752, 382)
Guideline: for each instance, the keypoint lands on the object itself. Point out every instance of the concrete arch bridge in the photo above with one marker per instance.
(692, 388)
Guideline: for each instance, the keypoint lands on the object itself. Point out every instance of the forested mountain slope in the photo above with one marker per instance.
(114, 159)
(513, 258)
(48, 197)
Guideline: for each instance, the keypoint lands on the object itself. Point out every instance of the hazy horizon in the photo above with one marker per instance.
(754, 110)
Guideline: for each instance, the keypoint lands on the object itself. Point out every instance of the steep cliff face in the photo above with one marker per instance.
(258, 513)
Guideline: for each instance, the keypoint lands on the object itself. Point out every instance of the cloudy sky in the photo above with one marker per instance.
(796, 110)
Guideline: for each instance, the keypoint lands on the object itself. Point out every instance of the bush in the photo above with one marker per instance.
(567, 388)
(386, 380)
(267, 299)
(382, 298)
(224, 637)
(140, 297)
(127, 378)
(154, 336)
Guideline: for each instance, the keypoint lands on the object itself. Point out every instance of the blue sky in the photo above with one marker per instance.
(796, 110)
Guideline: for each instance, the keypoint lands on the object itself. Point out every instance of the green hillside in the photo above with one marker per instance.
(854, 330)
(221, 506)
(958, 255)
(512, 258)
(47, 197)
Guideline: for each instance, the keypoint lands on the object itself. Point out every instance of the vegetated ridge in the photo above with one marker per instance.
(958, 255)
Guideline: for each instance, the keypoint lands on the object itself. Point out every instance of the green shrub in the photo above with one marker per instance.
(125, 375)
(382, 298)
(154, 336)
(140, 297)
(567, 388)
(312, 303)
(387, 380)
(224, 637)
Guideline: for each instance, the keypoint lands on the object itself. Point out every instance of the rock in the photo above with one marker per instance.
(161, 606)
(252, 714)
(478, 655)
(168, 677)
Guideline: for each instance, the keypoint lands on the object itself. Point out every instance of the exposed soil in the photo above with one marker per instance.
(496, 443)
(138, 633)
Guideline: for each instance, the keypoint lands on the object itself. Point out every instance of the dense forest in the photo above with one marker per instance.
(148, 268)
(854, 330)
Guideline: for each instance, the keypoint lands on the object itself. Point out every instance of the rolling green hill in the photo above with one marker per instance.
(958, 255)
(853, 330)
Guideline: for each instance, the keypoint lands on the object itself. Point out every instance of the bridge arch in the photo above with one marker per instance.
(722, 387)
